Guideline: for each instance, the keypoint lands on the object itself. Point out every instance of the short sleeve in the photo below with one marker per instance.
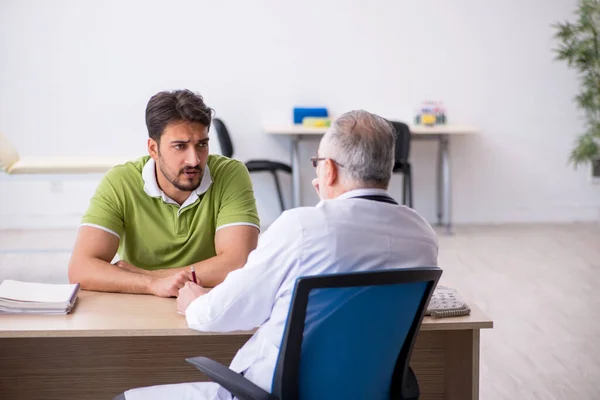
(238, 204)
(106, 206)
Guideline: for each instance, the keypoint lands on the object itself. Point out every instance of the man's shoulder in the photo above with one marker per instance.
(391, 219)
(228, 173)
(221, 165)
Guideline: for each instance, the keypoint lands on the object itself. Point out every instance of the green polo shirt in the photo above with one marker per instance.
(154, 231)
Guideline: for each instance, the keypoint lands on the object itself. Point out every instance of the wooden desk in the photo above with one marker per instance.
(114, 342)
(441, 133)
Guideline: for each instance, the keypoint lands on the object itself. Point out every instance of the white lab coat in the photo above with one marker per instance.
(339, 235)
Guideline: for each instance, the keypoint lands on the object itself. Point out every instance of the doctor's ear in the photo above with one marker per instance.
(331, 172)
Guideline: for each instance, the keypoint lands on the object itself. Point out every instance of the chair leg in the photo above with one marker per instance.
(278, 187)
(409, 187)
(404, 194)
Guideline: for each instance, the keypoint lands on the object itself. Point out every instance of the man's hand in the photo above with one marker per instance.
(169, 285)
(187, 294)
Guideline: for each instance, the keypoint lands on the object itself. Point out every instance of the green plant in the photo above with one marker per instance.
(580, 47)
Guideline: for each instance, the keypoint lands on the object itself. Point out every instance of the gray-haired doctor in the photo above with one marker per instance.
(356, 226)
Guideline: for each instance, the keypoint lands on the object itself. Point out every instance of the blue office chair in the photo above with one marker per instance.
(348, 336)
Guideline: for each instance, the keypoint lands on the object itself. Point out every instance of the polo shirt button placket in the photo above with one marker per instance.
(181, 222)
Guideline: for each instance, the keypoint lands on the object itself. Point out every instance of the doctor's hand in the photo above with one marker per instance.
(169, 285)
(187, 294)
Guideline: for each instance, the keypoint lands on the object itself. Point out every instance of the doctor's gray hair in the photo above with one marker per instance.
(364, 144)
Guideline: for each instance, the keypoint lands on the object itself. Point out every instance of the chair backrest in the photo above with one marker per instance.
(224, 138)
(350, 336)
(8, 154)
(402, 141)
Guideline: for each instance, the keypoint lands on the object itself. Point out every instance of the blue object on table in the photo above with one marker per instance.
(301, 112)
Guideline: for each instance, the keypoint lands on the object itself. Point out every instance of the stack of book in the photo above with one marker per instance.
(18, 297)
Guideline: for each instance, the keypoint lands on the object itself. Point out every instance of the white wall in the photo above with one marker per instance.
(75, 78)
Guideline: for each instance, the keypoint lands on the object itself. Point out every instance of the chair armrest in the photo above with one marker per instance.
(235, 383)
(411, 391)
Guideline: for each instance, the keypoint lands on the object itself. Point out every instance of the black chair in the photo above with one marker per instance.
(252, 165)
(348, 336)
(401, 164)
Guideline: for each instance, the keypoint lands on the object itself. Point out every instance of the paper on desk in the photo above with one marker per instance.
(37, 292)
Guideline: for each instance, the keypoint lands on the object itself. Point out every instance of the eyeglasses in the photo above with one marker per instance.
(315, 160)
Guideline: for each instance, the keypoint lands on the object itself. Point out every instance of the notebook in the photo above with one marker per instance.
(18, 297)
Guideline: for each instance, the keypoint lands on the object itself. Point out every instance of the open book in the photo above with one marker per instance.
(37, 298)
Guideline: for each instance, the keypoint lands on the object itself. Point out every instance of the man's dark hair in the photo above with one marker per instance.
(175, 106)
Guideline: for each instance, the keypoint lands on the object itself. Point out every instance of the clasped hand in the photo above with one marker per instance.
(177, 284)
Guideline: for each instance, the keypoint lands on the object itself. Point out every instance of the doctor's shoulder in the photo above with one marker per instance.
(298, 218)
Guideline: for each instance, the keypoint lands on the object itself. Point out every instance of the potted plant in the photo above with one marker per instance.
(579, 46)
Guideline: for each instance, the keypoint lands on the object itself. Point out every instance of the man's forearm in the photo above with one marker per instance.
(98, 275)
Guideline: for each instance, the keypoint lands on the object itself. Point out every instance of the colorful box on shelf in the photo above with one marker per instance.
(431, 113)
(316, 122)
(302, 112)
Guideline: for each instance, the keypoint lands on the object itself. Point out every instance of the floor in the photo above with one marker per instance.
(537, 282)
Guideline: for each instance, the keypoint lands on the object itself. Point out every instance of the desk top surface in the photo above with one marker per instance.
(99, 314)
(446, 129)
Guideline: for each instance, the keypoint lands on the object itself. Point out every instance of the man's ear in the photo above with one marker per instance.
(331, 172)
(153, 148)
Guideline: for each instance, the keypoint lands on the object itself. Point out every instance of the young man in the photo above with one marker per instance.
(176, 208)
(356, 227)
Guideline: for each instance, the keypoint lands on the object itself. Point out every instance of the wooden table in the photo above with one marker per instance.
(114, 342)
(441, 133)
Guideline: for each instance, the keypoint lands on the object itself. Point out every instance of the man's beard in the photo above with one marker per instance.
(182, 182)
